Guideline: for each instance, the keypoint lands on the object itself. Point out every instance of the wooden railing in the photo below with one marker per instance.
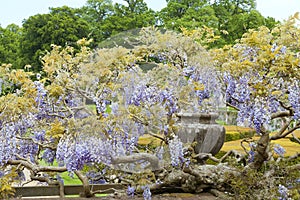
(54, 190)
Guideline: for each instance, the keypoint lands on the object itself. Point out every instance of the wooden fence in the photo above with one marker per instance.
(54, 190)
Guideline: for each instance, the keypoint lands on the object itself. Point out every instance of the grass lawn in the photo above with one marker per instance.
(232, 128)
(68, 180)
(290, 147)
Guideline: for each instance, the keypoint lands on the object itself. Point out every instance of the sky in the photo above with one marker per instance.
(15, 11)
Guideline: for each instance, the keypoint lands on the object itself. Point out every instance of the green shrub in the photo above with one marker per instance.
(294, 140)
(233, 136)
(6, 180)
(252, 184)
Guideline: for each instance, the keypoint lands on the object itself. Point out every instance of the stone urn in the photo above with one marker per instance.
(202, 129)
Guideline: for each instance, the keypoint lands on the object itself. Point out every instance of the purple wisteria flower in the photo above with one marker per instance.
(145, 94)
(39, 135)
(9, 142)
(74, 152)
(130, 191)
(169, 101)
(256, 114)
(176, 151)
(242, 90)
(188, 71)
(251, 153)
(261, 116)
(231, 87)
(147, 193)
(273, 104)
(294, 98)
(160, 152)
(284, 193)
(49, 155)
(279, 150)
(28, 149)
(114, 108)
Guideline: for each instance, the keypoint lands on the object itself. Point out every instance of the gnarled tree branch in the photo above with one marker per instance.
(152, 159)
(36, 168)
(280, 134)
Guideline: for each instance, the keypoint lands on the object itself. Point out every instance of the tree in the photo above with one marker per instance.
(96, 13)
(188, 14)
(135, 14)
(236, 17)
(48, 119)
(230, 19)
(262, 83)
(9, 45)
(107, 19)
(62, 26)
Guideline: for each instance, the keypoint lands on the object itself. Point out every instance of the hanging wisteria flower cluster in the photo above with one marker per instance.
(176, 151)
(294, 98)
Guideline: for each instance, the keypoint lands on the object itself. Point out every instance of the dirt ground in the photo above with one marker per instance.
(173, 196)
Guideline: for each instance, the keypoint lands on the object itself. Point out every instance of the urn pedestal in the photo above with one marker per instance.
(202, 129)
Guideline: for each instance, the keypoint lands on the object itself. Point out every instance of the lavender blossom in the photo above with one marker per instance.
(284, 193)
(168, 100)
(231, 86)
(188, 71)
(160, 152)
(39, 135)
(251, 152)
(49, 156)
(28, 149)
(279, 150)
(294, 98)
(130, 191)
(273, 104)
(114, 108)
(256, 114)
(176, 151)
(144, 94)
(242, 91)
(8, 146)
(260, 116)
(147, 193)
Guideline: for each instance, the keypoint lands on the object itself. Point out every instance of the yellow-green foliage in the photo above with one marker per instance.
(56, 130)
(148, 140)
(240, 129)
(266, 62)
(12, 106)
(256, 185)
(6, 189)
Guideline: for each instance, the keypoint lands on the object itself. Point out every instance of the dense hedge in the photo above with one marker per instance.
(236, 133)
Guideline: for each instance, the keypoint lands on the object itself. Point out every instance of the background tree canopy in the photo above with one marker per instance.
(101, 19)
(62, 26)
